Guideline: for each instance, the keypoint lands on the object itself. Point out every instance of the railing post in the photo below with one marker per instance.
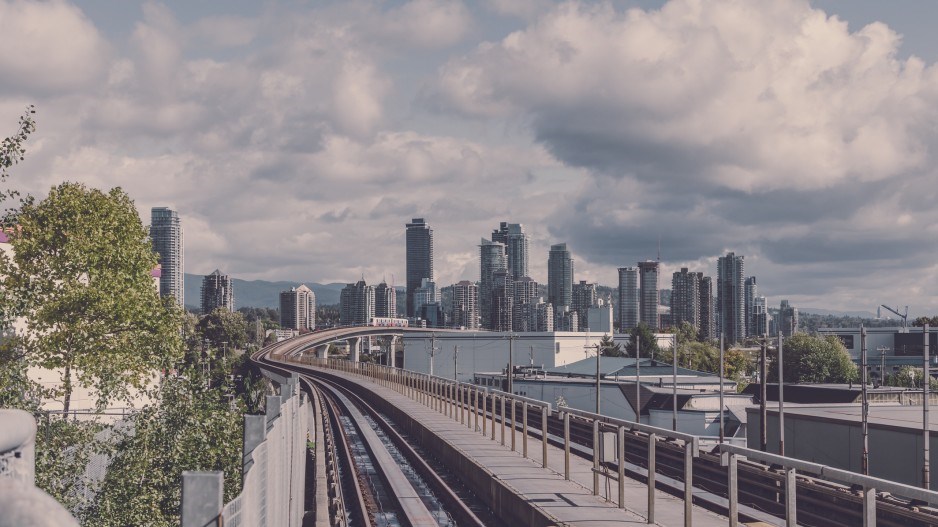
(791, 509)
(728, 459)
(514, 407)
(544, 436)
(475, 404)
(596, 452)
(201, 498)
(621, 467)
(566, 446)
(869, 507)
(688, 483)
(652, 440)
(485, 417)
(504, 418)
(524, 429)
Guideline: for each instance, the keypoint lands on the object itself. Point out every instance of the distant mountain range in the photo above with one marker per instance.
(261, 293)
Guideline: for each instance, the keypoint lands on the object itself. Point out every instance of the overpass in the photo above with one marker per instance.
(317, 342)
(504, 458)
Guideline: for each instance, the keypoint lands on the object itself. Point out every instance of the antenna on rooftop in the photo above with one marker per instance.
(659, 248)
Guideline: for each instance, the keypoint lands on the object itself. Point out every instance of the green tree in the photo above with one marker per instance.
(648, 345)
(908, 377)
(814, 359)
(224, 329)
(12, 151)
(80, 278)
(192, 426)
(610, 347)
(921, 321)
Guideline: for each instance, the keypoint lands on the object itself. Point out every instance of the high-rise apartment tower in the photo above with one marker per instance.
(516, 247)
(629, 301)
(648, 282)
(559, 277)
(167, 238)
(298, 308)
(419, 258)
(731, 297)
(217, 291)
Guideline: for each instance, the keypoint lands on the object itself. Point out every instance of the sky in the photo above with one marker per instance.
(296, 139)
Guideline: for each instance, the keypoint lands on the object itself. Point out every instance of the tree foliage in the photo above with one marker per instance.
(813, 359)
(193, 426)
(921, 321)
(12, 151)
(645, 338)
(610, 348)
(224, 330)
(80, 278)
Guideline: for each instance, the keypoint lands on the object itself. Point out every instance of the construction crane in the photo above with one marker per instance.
(905, 317)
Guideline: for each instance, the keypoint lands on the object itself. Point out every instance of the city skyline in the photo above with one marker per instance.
(213, 110)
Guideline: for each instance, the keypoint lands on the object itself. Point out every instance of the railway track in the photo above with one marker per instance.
(380, 478)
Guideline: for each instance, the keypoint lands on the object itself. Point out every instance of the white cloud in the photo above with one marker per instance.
(425, 23)
(48, 47)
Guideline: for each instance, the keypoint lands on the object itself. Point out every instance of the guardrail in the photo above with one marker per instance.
(868, 484)
(469, 404)
(273, 470)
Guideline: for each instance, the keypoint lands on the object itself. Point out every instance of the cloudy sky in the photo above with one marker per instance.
(296, 138)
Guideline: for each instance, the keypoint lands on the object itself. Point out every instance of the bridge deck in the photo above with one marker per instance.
(568, 502)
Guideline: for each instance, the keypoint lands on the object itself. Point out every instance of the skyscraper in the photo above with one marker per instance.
(685, 298)
(707, 315)
(628, 298)
(419, 258)
(559, 277)
(760, 317)
(516, 247)
(584, 297)
(217, 291)
(385, 301)
(298, 308)
(648, 282)
(357, 304)
(731, 297)
(787, 319)
(492, 259)
(465, 305)
(167, 238)
(752, 291)
(503, 301)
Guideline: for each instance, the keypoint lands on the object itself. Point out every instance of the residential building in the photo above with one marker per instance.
(425, 294)
(707, 310)
(752, 291)
(629, 301)
(298, 308)
(385, 301)
(357, 304)
(787, 319)
(503, 301)
(648, 282)
(516, 247)
(217, 291)
(492, 259)
(545, 316)
(685, 298)
(584, 297)
(565, 319)
(465, 305)
(525, 294)
(731, 298)
(760, 317)
(599, 319)
(168, 243)
(419, 258)
(560, 276)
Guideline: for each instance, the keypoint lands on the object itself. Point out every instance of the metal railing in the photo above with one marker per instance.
(729, 455)
(494, 414)
(274, 467)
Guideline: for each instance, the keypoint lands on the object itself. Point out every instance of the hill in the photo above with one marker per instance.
(261, 293)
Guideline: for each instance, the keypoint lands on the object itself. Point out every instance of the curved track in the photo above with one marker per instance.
(820, 503)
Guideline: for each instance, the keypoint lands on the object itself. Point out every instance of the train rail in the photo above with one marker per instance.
(384, 480)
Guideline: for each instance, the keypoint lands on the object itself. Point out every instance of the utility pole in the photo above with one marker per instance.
(638, 380)
(432, 351)
(511, 362)
(781, 396)
(721, 388)
(599, 352)
(926, 380)
(865, 460)
(674, 382)
(763, 415)
(456, 362)
(882, 364)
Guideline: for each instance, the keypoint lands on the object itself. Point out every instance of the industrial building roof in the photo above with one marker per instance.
(625, 367)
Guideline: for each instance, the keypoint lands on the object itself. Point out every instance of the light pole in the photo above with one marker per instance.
(882, 364)
(865, 459)
(721, 387)
(674, 382)
(638, 380)
(781, 397)
(926, 378)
